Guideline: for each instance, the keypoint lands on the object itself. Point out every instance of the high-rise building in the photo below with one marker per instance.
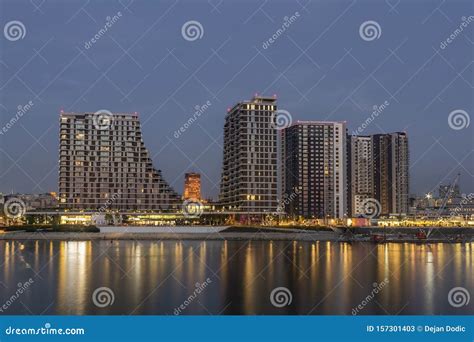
(313, 164)
(192, 186)
(104, 164)
(378, 170)
(249, 170)
(391, 165)
(360, 168)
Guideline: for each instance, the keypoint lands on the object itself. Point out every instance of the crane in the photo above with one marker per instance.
(446, 198)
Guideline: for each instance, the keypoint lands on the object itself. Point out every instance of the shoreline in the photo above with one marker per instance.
(311, 236)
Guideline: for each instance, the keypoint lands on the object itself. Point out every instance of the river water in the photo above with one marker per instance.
(235, 277)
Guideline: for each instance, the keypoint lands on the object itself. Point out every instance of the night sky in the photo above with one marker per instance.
(320, 68)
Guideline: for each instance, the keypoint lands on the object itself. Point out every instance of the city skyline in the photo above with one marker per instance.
(104, 164)
(327, 75)
(287, 121)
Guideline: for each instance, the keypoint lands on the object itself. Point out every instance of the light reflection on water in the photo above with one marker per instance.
(156, 277)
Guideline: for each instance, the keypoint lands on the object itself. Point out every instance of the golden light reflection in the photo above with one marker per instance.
(76, 268)
(74, 275)
(249, 299)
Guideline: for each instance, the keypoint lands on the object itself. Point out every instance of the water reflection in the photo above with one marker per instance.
(156, 277)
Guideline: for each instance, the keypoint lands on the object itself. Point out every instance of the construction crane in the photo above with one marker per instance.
(447, 197)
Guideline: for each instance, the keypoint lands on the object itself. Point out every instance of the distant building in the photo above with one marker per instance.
(104, 164)
(40, 201)
(34, 201)
(314, 169)
(192, 186)
(379, 169)
(249, 170)
(462, 206)
(449, 191)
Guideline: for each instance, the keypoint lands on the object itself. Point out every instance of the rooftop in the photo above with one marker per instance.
(106, 112)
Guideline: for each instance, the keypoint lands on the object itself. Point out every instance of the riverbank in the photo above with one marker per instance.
(399, 235)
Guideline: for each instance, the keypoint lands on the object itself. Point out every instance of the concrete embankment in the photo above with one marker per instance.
(314, 236)
(247, 233)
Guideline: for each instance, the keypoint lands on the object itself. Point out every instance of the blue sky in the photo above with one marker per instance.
(319, 67)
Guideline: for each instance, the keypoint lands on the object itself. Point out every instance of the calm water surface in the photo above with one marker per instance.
(157, 277)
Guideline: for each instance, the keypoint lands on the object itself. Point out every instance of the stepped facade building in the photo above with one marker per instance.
(104, 165)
